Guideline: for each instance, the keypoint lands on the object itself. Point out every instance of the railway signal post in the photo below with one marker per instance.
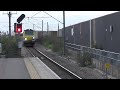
(18, 30)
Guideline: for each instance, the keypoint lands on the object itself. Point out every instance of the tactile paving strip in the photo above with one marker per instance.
(31, 69)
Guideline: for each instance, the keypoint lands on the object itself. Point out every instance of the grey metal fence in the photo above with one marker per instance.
(103, 58)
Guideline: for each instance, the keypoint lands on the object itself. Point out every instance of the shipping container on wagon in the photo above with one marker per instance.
(39, 33)
(59, 33)
(36, 35)
(52, 33)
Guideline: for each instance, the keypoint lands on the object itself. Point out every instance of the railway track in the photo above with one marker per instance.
(61, 71)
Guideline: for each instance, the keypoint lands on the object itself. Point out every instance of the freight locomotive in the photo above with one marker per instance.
(29, 37)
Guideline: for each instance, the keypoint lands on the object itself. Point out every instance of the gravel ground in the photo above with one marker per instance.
(25, 53)
(52, 66)
(84, 72)
(60, 72)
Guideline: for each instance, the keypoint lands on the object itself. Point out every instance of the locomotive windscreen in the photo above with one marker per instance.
(29, 32)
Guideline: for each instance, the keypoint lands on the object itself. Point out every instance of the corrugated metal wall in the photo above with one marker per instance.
(106, 39)
(80, 34)
(101, 36)
(85, 34)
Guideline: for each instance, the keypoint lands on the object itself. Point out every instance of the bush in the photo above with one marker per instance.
(84, 59)
(50, 46)
(54, 43)
(9, 46)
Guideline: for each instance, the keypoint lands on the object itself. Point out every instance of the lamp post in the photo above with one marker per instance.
(9, 14)
(42, 28)
(64, 32)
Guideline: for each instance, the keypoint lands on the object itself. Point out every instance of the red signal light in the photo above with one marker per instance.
(19, 28)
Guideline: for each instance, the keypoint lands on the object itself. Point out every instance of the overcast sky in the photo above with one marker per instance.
(34, 19)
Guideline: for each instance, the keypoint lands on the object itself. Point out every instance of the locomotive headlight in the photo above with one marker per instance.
(25, 38)
(33, 37)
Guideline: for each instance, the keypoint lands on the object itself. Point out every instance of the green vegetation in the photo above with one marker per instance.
(53, 43)
(56, 45)
(84, 59)
(9, 46)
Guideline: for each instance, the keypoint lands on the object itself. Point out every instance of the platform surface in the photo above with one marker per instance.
(25, 68)
(13, 68)
(38, 70)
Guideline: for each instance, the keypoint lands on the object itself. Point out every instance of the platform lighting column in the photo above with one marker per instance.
(64, 32)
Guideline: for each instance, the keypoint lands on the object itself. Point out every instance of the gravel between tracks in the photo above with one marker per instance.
(84, 72)
(60, 72)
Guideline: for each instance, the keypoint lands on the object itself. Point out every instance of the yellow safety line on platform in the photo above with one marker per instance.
(31, 69)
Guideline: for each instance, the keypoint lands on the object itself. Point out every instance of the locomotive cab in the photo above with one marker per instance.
(28, 37)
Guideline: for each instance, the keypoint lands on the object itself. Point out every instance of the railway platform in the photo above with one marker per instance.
(13, 68)
(38, 70)
(25, 68)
